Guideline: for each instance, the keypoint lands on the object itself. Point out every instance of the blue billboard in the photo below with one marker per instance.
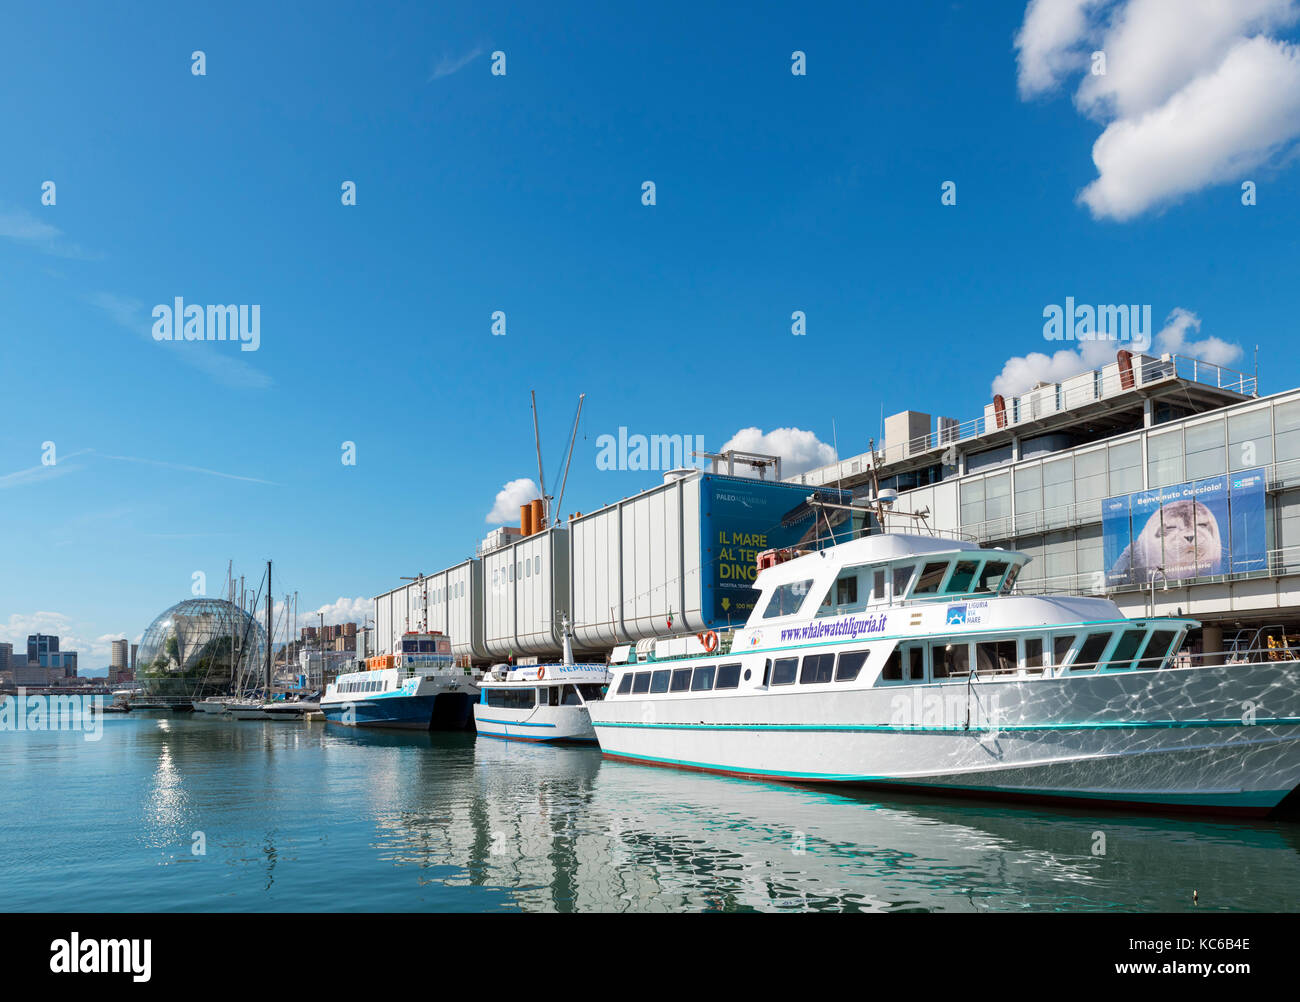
(1196, 529)
(742, 517)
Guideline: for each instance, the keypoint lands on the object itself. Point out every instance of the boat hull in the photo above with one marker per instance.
(1208, 740)
(401, 712)
(542, 725)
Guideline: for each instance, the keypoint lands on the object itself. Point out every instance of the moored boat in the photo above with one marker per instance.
(414, 689)
(540, 702)
(905, 660)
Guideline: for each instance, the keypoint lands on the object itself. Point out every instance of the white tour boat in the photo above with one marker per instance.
(540, 702)
(415, 689)
(905, 660)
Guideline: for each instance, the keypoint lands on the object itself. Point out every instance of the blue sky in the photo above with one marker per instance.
(522, 193)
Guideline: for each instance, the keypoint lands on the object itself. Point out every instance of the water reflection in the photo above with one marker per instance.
(559, 829)
(317, 818)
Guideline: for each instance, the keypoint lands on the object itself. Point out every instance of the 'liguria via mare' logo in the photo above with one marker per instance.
(211, 323)
(1098, 323)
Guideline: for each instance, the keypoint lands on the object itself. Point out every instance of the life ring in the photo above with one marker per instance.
(541, 674)
(709, 640)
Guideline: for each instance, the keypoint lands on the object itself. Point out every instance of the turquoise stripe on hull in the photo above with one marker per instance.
(955, 728)
(537, 739)
(1249, 801)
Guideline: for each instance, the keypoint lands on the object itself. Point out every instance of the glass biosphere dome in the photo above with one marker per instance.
(201, 647)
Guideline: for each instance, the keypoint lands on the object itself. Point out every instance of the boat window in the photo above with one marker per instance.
(949, 660)
(659, 680)
(962, 577)
(570, 697)
(991, 575)
(592, 692)
(1034, 653)
(995, 656)
(817, 668)
(850, 664)
(1127, 648)
(842, 595)
(1010, 581)
(783, 671)
(902, 577)
(930, 579)
(1156, 649)
(537, 565)
(681, 680)
(511, 699)
(642, 683)
(702, 679)
(787, 598)
(625, 684)
(1061, 648)
(729, 676)
(916, 663)
(1091, 651)
(893, 670)
(878, 583)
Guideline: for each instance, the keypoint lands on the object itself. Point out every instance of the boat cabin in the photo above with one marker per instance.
(879, 572)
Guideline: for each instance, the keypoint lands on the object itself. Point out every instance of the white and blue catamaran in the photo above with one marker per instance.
(905, 660)
(418, 688)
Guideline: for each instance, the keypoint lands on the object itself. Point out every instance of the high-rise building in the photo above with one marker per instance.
(40, 646)
(119, 655)
(134, 649)
(43, 651)
(6, 657)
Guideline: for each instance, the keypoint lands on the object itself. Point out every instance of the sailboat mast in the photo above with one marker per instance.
(270, 637)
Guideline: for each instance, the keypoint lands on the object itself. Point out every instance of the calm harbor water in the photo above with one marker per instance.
(309, 817)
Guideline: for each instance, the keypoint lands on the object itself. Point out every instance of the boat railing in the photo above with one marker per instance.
(1270, 652)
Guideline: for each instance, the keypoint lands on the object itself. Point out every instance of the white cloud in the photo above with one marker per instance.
(91, 652)
(341, 610)
(799, 450)
(1050, 42)
(509, 498)
(136, 317)
(1154, 48)
(1173, 339)
(448, 65)
(1215, 130)
(1024, 372)
(26, 228)
(1194, 92)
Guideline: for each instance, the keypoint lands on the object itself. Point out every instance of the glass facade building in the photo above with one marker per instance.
(201, 647)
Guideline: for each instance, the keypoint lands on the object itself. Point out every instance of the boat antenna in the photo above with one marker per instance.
(541, 477)
(424, 602)
(573, 437)
(875, 486)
